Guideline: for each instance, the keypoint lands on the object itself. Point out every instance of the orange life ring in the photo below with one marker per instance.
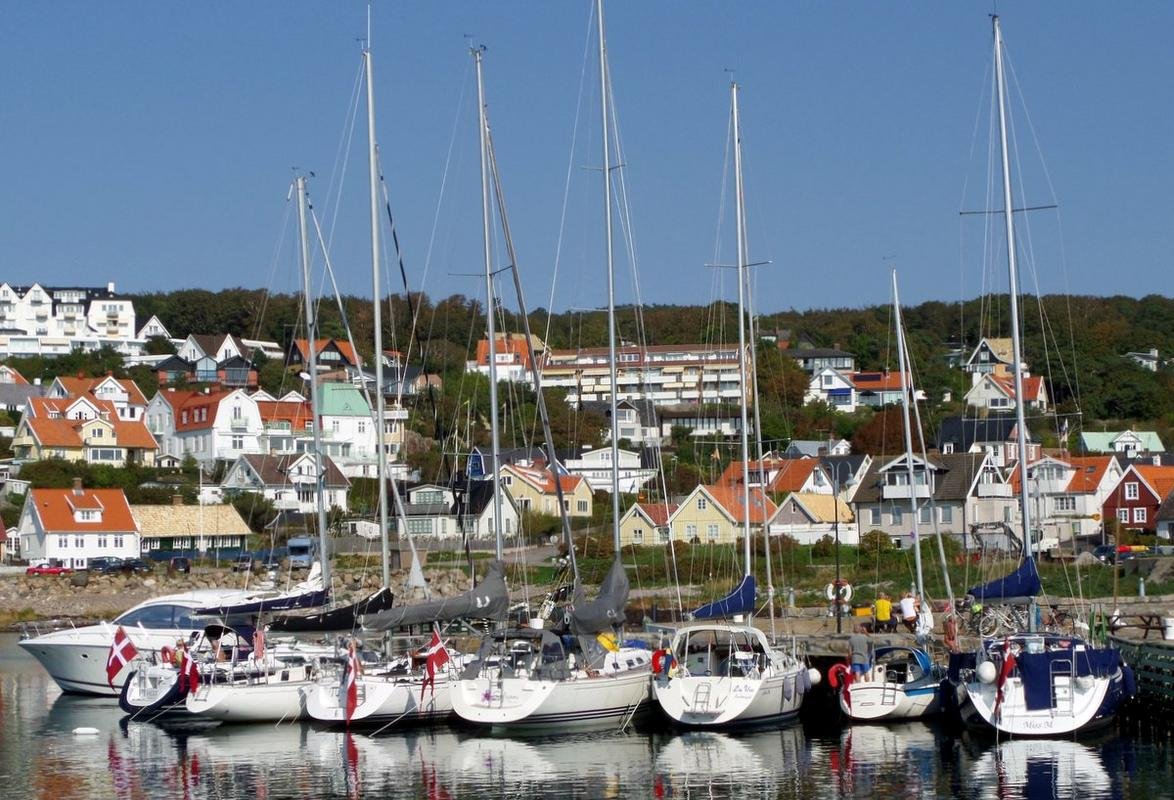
(662, 661)
(837, 674)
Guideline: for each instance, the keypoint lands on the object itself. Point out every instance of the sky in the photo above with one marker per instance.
(153, 145)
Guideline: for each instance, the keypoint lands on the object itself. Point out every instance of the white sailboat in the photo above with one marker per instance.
(1033, 684)
(899, 682)
(731, 675)
(532, 678)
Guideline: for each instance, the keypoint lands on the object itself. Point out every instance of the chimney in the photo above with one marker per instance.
(177, 499)
(77, 486)
(110, 287)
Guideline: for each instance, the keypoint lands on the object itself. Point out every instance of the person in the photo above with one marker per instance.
(882, 613)
(219, 652)
(909, 612)
(950, 633)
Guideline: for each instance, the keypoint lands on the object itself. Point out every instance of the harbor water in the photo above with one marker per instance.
(42, 756)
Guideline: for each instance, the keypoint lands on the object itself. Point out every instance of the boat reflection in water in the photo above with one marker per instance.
(1053, 768)
(890, 760)
(758, 764)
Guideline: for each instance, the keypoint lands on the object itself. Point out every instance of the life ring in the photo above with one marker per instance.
(838, 674)
(166, 655)
(829, 591)
(662, 661)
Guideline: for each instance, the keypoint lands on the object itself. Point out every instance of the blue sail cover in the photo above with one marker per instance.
(1023, 582)
(739, 601)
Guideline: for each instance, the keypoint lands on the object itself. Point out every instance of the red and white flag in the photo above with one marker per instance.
(437, 657)
(259, 644)
(350, 684)
(122, 652)
(1004, 673)
(189, 672)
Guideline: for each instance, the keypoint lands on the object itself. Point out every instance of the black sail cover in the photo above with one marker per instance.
(606, 611)
(490, 600)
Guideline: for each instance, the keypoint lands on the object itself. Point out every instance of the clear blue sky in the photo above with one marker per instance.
(151, 143)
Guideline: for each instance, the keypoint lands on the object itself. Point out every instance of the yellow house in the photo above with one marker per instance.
(714, 514)
(646, 524)
(533, 490)
(82, 428)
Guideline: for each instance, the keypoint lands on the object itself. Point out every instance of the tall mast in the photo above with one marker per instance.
(312, 346)
(377, 295)
(903, 365)
(739, 222)
(489, 302)
(611, 282)
(1013, 288)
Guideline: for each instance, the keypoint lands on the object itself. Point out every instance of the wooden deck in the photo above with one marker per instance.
(1152, 661)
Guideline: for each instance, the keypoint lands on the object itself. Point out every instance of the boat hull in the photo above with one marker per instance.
(879, 701)
(278, 697)
(1086, 706)
(730, 702)
(76, 658)
(390, 701)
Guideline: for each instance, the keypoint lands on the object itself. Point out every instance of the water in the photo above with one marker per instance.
(41, 757)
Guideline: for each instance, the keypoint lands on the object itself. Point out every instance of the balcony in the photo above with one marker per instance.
(993, 490)
(238, 424)
(919, 491)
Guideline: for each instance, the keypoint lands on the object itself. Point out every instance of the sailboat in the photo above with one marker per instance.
(730, 675)
(1030, 683)
(532, 678)
(898, 682)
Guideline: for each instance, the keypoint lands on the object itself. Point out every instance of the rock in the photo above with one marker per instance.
(80, 578)
(149, 582)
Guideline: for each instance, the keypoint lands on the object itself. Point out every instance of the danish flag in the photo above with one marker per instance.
(350, 684)
(1009, 664)
(437, 658)
(122, 652)
(189, 673)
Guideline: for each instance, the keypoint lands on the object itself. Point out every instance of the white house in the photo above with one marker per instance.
(1067, 494)
(72, 526)
(124, 394)
(206, 425)
(448, 512)
(595, 466)
(153, 328)
(834, 388)
(290, 482)
(49, 321)
(997, 393)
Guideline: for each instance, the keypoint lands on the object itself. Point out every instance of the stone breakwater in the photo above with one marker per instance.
(83, 598)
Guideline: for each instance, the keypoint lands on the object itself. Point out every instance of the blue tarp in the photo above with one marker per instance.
(1023, 582)
(739, 601)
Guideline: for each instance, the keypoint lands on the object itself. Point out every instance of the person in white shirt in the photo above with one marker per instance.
(909, 611)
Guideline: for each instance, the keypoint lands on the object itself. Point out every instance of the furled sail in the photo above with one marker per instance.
(606, 611)
(1023, 582)
(739, 601)
(490, 600)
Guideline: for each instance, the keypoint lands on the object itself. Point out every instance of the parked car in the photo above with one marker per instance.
(1105, 553)
(243, 563)
(179, 564)
(137, 565)
(48, 569)
(105, 565)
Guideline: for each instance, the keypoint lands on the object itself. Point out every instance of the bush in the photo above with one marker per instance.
(825, 547)
(876, 542)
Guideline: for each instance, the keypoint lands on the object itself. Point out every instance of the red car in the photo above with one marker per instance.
(48, 569)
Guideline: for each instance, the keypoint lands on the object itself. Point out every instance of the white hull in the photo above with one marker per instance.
(1077, 703)
(382, 701)
(277, 697)
(724, 702)
(878, 701)
(76, 657)
(578, 702)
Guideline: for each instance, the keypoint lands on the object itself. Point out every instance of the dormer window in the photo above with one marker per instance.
(87, 515)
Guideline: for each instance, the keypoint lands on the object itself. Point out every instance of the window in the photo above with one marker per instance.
(306, 495)
(874, 516)
(79, 542)
(711, 531)
(896, 515)
(690, 532)
(420, 526)
(102, 542)
(362, 426)
(1065, 503)
(1139, 515)
(638, 536)
(702, 503)
(946, 513)
(947, 448)
(662, 535)
(1123, 515)
(582, 506)
(924, 515)
(238, 443)
(1131, 491)
(524, 503)
(118, 542)
(63, 542)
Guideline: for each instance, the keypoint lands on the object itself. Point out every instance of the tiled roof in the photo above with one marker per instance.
(1090, 471)
(878, 381)
(658, 513)
(173, 520)
(10, 375)
(790, 473)
(1160, 479)
(75, 385)
(296, 414)
(730, 498)
(542, 480)
(55, 509)
(274, 470)
(342, 400)
(1031, 385)
(344, 348)
(512, 343)
(63, 432)
(200, 408)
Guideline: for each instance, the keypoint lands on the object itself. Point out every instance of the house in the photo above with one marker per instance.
(808, 517)
(1129, 444)
(534, 490)
(716, 514)
(9, 375)
(638, 420)
(707, 421)
(452, 512)
(996, 393)
(1147, 360)
(595, 465)
(331, 354)
(208, 425)
(82, 428)
(4, 544)
(666, 375)
(1136, 499)
(123, 394)
(1165, 518)
(782, 475)
(815, 448)
(74, 525)
(224, 360)
(52, 321)
(289, 482)
(153, 329)
(814, 360)
(349, 434)
(834, 388)
(479, 465)
(15, 396)
(876, 389)
(991, 356)
(513, 356)
(967, 490)
(646, 524)
(996, 434)
(179, 530)
(1067, 494)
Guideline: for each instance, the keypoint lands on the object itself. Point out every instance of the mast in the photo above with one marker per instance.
(611, 282)
(739, 223)
(905, 399)
(1013, 288)
(489, 302)
(312, 346)
(377, 284)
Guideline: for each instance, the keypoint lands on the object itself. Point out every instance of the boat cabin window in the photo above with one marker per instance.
(158, 616)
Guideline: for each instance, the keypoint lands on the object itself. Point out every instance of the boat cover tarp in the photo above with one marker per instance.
(285, 602)
(606, 611)
(344, 618)
(739, 601)
(1023, 582)
(490, 600)
(1036, 670)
